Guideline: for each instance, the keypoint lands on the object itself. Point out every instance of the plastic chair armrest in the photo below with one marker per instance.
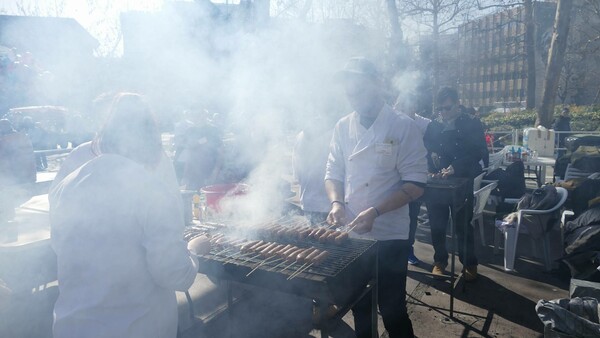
(566, 214)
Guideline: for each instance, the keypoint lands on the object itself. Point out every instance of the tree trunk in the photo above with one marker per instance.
(436, 56)
(396, 48)
(530, 54)
(556, 58)
(305, 9)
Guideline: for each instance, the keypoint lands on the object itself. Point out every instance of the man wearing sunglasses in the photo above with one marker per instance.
(455, 144)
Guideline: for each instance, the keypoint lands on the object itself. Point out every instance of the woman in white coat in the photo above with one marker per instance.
(117, 234)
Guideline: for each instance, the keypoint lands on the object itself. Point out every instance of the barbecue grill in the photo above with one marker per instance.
(343, 278)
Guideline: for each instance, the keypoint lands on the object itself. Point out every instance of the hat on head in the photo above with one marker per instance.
(357, 66)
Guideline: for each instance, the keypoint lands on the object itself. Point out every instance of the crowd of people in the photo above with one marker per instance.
(116, 209)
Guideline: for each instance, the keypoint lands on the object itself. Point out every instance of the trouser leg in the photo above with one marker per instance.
(438, 222)
(413, 212)
(393, 257)
(463, 222)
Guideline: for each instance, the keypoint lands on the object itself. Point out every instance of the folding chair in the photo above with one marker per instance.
(481, 197)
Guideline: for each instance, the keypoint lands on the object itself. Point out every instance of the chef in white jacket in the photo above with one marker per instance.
(117, 233)
(308, 163)
(376, 166)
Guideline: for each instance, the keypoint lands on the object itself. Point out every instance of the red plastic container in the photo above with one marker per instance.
(215, 193)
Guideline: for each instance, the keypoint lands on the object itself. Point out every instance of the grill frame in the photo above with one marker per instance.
(337, 287)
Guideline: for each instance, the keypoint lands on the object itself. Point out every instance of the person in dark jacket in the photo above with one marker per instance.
(455, 144)
(562, 123)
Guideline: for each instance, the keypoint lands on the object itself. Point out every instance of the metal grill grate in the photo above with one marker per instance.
(340, 256)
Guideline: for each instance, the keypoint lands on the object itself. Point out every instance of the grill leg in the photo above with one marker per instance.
(230, 308)
(454, 246)
(322, 308)
(374, 290)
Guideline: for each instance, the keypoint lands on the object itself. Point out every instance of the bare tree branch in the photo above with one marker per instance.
(499, 4)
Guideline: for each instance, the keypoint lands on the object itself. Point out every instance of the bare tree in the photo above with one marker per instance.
(556, 57)
(440, 16)
(106, 26)
(579, 79)
(397, 47)
(33, 8)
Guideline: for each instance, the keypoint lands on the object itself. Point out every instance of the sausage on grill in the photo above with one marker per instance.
(301, 257)
(320, 258)
(266, 249)
(282, 249)
(318, 233)
(294, 254)
(288, 251)
(323, 237)
(313, 232)
(313, 255)
(272, 252)
(259, 247)
(340, 239)
(332, 236)
(246, 247)
(302, 234)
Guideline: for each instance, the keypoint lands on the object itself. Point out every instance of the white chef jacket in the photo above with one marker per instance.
(117, 232)
(308, 161)
(164, 171)
(421, 122)
(373, 163)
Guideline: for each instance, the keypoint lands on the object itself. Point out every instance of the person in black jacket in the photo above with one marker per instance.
(562, 123)
(455, 144)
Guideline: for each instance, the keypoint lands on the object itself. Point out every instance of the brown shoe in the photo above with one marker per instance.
(470, 273)
(439, 270)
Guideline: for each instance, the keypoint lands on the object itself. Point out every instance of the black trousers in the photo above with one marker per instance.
(393, 258)
(439, 215)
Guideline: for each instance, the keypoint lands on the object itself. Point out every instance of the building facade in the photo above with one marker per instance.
(492, 65)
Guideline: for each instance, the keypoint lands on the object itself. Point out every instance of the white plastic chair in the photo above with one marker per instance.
(481, 197)
(511, 234)
(477, 181)
(495, 160)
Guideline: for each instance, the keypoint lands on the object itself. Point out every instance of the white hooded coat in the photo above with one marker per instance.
(117, 233)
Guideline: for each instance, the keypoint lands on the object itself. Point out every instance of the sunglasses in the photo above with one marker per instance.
(446, 108)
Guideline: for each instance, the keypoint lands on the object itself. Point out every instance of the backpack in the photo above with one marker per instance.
(511, 182)
(542, 198)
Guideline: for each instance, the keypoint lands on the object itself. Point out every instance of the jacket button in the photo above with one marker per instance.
(366, 184)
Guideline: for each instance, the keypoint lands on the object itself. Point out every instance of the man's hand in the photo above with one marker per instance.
(448, 171)
(337, 215)
(363, 223)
